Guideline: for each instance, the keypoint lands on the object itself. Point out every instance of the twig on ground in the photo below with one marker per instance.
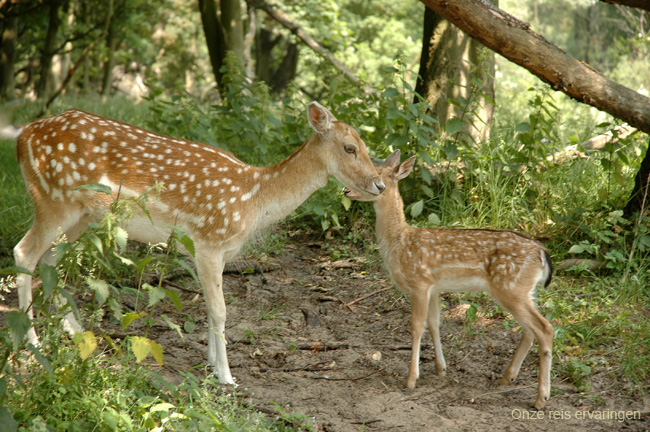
(348, 304)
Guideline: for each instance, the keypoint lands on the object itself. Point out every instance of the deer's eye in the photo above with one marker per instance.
(350, 149)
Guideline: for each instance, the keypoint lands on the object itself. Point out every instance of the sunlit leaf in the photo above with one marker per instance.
(86, 342)
(141, 347)
(127, 319)
(155, 294)
(100, 287)
(157, 352)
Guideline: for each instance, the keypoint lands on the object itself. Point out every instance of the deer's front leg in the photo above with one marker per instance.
(419, 306)
(210, 270)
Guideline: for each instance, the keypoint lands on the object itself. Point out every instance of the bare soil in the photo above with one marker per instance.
(297, 342)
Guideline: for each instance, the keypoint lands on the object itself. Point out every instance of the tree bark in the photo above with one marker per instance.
(514, 40)
(233, 27)
(214, 37)
(8, 34)
(49, 47)
(641, 184)
(450, 63)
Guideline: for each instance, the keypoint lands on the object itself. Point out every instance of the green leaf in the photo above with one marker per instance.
(121, 236)
(41, 359)
(416, 209)
(189, 269)
(95, 187)
(172, 326)
(86, 342)
(523, 127)
(189, 325)
(175, 299)
(347, 202)
(576, 249)
(127, 319)
(97, 242)
(155, 294)
(188, 243)
(50, 279)
(157, 353)
(18, 323)
(390, 92)
(141, 347)
(434, 219)
(7, 420)
(101, 289)
(15, 270)
(453, 126)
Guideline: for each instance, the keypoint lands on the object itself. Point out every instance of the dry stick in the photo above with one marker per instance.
(366, 296)
(638, 223)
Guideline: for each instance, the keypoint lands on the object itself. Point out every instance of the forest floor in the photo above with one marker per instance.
(303, 340)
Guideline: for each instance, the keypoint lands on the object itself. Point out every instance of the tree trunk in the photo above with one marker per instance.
(49, 48)
(640, 187)
(214, 38)
(450, 65)
(8, 33)
(233, 28)
(111, 46)
(223, 32)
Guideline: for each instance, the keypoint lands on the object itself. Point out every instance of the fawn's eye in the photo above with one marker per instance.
(349, 148)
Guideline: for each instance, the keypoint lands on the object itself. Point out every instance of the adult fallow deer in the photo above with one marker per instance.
(218, 200)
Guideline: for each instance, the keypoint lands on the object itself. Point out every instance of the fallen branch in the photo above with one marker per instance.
(366, 296)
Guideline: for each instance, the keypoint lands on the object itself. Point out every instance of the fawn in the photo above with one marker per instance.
(423, 262)
(218, 200)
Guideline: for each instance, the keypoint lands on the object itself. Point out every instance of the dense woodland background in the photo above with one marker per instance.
(500, 142)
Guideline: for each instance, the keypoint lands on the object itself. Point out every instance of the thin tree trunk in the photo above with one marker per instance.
(640, 185)
(214, 37)
(54, 23)
(8, 34)
(451, 65)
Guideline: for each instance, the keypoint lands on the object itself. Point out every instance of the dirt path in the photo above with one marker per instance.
(293, 342)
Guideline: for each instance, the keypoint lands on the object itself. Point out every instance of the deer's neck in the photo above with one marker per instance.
(285, 186)
(391, 224)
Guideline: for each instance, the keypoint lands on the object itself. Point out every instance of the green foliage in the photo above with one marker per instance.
(65, 384)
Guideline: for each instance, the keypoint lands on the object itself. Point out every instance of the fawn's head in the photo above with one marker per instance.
(391, 173)
(344, 152)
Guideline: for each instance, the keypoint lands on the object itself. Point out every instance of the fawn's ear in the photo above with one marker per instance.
(393, 160)
(320, 118)
(404, 169)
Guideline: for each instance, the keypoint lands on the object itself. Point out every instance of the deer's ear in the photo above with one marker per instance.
(320, 118)
(393, 160)
(405, 168)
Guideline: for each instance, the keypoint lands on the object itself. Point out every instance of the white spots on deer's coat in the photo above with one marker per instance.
(252, 192)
